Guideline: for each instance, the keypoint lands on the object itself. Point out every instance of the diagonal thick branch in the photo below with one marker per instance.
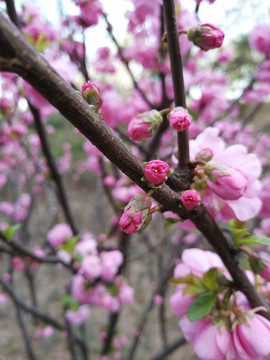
(17, 55)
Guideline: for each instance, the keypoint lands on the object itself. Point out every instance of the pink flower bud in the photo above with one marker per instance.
(265, 273)
(206, 36)
(92, 95)
(228, 183)
(190, 199)
(205, 154)
(156, 172)
(259, 39)
(251, 339)
(180, 118)
(142, 126)
(136, 214)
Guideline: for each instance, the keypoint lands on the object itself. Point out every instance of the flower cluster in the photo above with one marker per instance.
(96, 281)
(229, 327)
(227, 178)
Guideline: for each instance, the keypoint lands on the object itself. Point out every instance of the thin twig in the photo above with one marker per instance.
(177, 76)
(161, 355)
(26, 338)
(23, 250)
(11, 10)
(53, 168)
(126, 63)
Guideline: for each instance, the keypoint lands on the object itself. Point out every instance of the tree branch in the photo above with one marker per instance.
(178, 79)
(17, 55)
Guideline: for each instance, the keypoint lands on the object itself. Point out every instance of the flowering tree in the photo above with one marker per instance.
(193, 165)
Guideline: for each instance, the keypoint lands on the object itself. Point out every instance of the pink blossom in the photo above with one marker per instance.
(259, 39)
(180, 303)
(78, 316)
(245, 169)
(91, 10)
(206, 36)
(59, 234)
(18, 264)
(91, 267)
(265, 198)
(219, 342)
(109, 180)
(197, 262)
(126, 294)
(158, 300)
(251, 338)
(228, 183)
(156, 172)
(265, 257)
(225, 56)
(44, 332)
(6, 208)
(191, 328)
(3, 298)
(190, 199)
(266, 272)
(110, 262)
(180, 119)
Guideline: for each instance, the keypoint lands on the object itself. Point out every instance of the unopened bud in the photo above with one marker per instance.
(92, 95)
(206, 36)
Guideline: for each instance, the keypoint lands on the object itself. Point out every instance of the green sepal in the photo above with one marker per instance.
(69, 303)
(201, 306)
(169, 222)
(210, 279)
(256, 264)
(113, 290)
(194, 289)
(41, 43)
(255, 239)
(78, 257)
(10, 231)
(70, 244)
(239, 231)
(146, 221)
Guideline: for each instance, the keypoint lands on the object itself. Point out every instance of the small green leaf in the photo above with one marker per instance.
(255, 239)
(169, 222)
(201, 306)
(78, 257)
(70, 244)
(11, 230)
(113, 290)
(182, 280)
(194, 290)
(210, 279)
(239, 231)
(69, 303)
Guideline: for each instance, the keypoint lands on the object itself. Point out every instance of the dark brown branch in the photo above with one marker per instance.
(11, 10)
(31, 309)
(23, 250)
(170, 349)
(178, 79)
(26, 338)
(53, 168)
(17, 55)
